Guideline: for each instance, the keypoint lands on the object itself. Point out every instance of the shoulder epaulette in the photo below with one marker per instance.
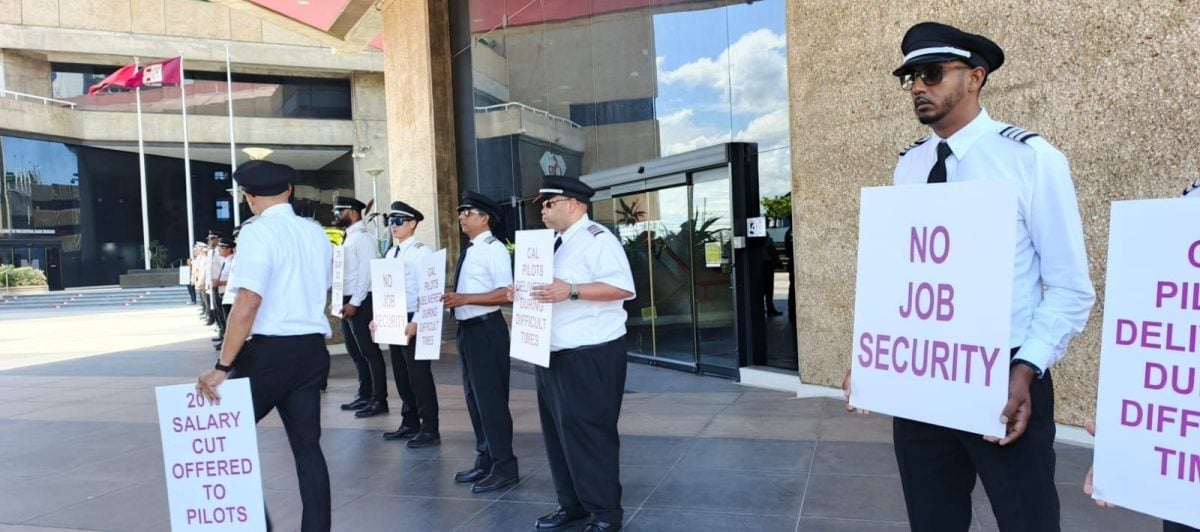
(418, 245)
(915, 143)
(1192, 187)
(595, 230)
(490, 240)
(1017, 134)
(248, 221)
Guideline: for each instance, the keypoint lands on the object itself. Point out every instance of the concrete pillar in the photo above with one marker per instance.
(420, 117)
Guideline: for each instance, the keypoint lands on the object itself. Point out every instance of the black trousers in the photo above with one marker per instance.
(286, 373)
(372, 378)
(205, 303)
(225, 310)
(483, 348)
(414, 383)
(192, 293)
(1169, 526)
(579, 399)
(938, 466)
(220, 313)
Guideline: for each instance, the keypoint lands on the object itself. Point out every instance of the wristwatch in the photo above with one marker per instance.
(574, 292)
(222, 367)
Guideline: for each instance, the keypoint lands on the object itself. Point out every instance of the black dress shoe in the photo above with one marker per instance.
(493, 483)
(357, 404)
(559, 518)
(470, 475)
(373, 408)
(424, 439)
(601, 526)
(402, 433)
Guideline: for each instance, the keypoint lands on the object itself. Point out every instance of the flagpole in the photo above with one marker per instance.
(237, 200)
(142, 171)
(187, 160)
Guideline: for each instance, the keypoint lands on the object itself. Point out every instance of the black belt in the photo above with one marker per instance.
(587, 347)
(480, 319)
(261, 337)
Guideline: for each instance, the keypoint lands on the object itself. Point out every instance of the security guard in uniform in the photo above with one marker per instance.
(944, 70)
(357, 312)
(414, 378)
(579, 395)
(482, 277)
(277, 328)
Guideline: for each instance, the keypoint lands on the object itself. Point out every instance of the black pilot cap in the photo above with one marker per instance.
(474, 200)
(346, 202)
(933, 42)
(403, 210)
(264, 178)
(571, 187)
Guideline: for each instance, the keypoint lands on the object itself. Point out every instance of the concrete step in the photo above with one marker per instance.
(96, 298)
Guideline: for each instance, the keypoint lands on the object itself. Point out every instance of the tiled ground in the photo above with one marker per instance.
(80, 450)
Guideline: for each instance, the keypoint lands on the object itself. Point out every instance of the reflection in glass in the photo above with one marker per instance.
(254, 95)
(82, 204)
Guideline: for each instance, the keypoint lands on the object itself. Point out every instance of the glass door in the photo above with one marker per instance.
(711, 227)
(653, 227)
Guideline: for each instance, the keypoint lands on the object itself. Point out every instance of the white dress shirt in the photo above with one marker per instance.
(487, 266)
(360, 250)
(214, 268)
(412, 252)
(288, 261)
(1052, 291)
(226, 267)
(228, 297)
(589, 253)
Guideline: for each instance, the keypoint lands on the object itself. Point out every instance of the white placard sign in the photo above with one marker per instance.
(1148, 410)
(431, 285)
(339, 276)
(388, 301)
(185, 275)
(932, 303)
(210, 453)
(531, 320)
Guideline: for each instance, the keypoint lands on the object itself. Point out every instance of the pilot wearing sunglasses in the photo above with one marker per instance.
(944, 71)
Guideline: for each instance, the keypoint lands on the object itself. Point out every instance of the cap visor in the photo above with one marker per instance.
(927, 59)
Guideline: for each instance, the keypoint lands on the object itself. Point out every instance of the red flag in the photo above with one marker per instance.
(162, 73)
(127, 76)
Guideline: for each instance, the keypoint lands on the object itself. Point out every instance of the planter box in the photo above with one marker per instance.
(150, 278)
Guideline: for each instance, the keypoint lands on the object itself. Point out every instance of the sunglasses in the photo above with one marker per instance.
(930, 75)
(398, 220)
(549, 204)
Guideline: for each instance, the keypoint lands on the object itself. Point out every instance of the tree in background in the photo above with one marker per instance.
(778, 207)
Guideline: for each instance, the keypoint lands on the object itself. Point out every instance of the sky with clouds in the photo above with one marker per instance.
(722, 76)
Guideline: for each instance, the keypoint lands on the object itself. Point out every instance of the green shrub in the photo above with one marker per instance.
(27, 276)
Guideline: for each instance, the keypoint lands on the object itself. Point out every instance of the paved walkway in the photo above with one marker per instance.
(80, 449)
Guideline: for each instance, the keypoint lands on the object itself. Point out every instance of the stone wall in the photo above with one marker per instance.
(1111, 83)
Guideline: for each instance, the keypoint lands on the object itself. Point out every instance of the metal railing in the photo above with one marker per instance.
(45, 101)
(534, 110)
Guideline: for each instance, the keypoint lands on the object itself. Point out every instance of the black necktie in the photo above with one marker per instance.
(557, 243)
(937, 174)
(458, 267)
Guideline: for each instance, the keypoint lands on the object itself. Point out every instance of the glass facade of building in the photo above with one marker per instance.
(574, 88)
(254, 95)
(83, 204)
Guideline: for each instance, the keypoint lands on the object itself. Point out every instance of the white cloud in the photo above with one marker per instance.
(679, 132)
(752, 72)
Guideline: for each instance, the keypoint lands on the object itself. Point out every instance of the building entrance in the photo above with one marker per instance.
(682, 222)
